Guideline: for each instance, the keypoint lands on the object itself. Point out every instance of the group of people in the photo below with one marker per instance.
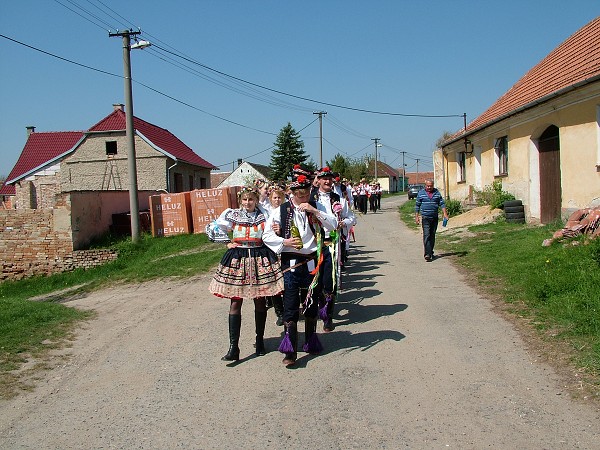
(364, 194)
(287, 247)
(287, 244)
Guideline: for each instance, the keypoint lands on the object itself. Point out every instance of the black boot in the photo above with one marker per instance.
(235, 323)
(278, 307)
(291, 330)
(328, 325)
(260, 318)
(312, 344)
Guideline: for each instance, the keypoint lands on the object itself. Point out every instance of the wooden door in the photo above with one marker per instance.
(550, 188)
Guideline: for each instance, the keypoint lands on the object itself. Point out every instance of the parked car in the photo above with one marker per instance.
(414, 189)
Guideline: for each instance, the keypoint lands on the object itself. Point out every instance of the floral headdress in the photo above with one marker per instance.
(248, 190)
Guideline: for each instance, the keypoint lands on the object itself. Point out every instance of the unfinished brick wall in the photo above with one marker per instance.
(29, 243)
(39, 242)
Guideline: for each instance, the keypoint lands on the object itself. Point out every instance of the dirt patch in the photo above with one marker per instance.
(476, 216)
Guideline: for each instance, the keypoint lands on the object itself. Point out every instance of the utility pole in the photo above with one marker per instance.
(376, 141)
(131, 162)
(403, 172)
(417, 170)
(320, 113)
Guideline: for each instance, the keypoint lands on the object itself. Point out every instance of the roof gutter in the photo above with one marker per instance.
(525, 107)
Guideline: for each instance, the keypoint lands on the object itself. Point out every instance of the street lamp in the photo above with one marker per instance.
(129, 131)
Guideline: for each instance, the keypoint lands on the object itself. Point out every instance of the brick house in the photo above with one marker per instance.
(387, 176)
(68, 186)
(96, 161)
(540, 139)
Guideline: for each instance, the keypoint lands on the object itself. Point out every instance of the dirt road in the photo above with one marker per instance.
(418, 360)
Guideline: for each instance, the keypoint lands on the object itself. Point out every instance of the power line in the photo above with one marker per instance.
(140, 83)
(82, 16)
(178, 54)
(258, 96)
(306, 98)
(60, 57)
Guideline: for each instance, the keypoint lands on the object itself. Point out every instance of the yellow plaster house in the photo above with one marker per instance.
(541, 139)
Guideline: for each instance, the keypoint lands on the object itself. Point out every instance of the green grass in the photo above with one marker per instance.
(556, 287)
(407, 213)
(29, 328)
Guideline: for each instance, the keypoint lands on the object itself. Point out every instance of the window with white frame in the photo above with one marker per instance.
(501, 160)
(461, 161)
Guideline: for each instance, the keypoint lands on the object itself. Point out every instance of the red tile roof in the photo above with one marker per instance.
(8, 189)
(163, 140)
(575, 61)
(41, 149)
(217, 178)
(418, 178)
(382, 169)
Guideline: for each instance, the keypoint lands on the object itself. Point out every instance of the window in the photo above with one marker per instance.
(111, 148)
(191, 181)
(501, 147)
(461, 160)
(178, 182)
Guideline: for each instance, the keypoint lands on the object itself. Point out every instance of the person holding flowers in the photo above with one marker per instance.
(329, 277)
(298, 243)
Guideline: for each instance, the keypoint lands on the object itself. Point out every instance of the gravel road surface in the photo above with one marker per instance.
(419, 360)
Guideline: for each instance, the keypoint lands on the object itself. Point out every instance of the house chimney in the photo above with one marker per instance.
(240, 161)
(30, 129)
(118, 107)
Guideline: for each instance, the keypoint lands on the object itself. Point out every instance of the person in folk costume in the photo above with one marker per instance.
(373, 197)
(298, 244)
(248, 270)
(354, 194)
(276, 197)
(348, 219)
(329, 277)
(378, 195)
(348, 223)
(263, 187)
(363, 193)
(348, 192)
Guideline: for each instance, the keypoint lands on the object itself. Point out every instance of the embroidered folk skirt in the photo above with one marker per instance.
(246, 273)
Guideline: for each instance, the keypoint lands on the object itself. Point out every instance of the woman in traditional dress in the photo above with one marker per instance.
(248, 270)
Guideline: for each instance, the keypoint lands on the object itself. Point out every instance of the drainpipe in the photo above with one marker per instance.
(169, 177)
(445, 173)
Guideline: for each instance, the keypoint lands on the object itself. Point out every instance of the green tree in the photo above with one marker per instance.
(289, 150)
(338, 164)
(444, 137)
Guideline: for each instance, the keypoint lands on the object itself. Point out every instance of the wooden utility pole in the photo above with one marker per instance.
(320, 113)
(376, 145)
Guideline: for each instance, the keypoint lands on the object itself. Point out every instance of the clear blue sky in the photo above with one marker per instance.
(436, 57)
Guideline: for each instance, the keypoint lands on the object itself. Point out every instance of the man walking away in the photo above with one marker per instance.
(429, 201)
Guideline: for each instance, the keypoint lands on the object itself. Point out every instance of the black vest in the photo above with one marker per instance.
(284, 213)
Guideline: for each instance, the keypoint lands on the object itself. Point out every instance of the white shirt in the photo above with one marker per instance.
(309, 243)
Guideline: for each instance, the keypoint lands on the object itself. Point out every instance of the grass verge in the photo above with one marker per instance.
(29, 329)
(555, 289)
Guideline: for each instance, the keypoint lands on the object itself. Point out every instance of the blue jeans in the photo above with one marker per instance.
(429, 225)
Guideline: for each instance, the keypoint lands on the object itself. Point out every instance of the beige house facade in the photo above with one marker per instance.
(541, 139)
